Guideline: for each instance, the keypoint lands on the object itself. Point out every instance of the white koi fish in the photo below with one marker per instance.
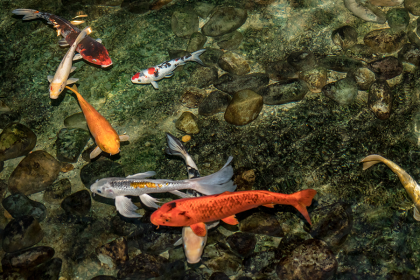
(164, 70)
(412, 188)
(138, 185)
(61, 77)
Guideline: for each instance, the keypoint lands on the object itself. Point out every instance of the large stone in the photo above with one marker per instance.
(7, 118)
(70, 143)
(410, 53)
(345, 36)
(113, 253)
(234, 64)
(385, 40)
(280, 70)
(230, 41)
(398, 19)
(343, 91)
(315, 78)
(341, 63)
(380, 99)
(197, 41)
(19, 205)
(232, 83)
(188, 123)
(76, 121)
(34, 173)
(23, 261)
(303, 60)
(387, 67)
(217, 101)
(257, 261)
(100, 169)
(47, 271)
(78, 203)
(261, 223)
(245, 107)
(284, 92)
(211, 56)
(184, 23)
(192, 97)
(412, 6)
(57, 191)
(16, 140)
(364, 77)
(143, 266)
(224, 20)
(202, 77)
(241, 243)
(21, 233)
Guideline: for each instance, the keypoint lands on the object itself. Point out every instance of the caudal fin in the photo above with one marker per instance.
(27, 13)
(371, 160)
(196, 56)
(216, 183)
(304, 199)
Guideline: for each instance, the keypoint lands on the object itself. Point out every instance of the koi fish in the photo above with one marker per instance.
(60, 79)
(106, 138)
(91, 50)
(165, 69)
(412, 188)
(138, 185)
(193, 244)
(195, 212)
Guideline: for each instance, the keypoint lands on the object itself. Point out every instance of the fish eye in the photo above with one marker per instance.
(99, 191)
(167, 220)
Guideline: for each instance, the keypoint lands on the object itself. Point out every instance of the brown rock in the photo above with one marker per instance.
(245, 180)
(315, 78)
(16, 140)
(192, 97)
(234, 64)
(387, 67)
(245, 107)
(187, 122)
(380, 99)
(385, 40)
(113, 253)
(261, 223)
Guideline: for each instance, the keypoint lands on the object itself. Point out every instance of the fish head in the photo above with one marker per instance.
(141, 78)
(56, 89)
(193, 245)
(110, 144)
(94, 52)
(171, 215)
(103, 188)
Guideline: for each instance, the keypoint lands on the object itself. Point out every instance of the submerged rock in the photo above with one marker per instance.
(203, 9)
(242, 244)
(380, 99)
(197, 41)
(7, 118)
(143, 266)
(398, 19)
(16, 140)
(23, 261)
(281, 70)
(345, 36)
(34, 173)
(203, 77)
(113, 253)
(219, 276)
(19, 205)
(78, 203)
(215, 102)
(301, 61)
(410, 53)
(211, 56)
(230, 41)
(257, 261)
(184, 23)
(231, 83)
(244, 180)
(224, 20)
(284, 92)
(47, 271)
(363, 76)
(344, 91)
(310, 260)
(412, 6)
(385, 40)
(341, 63)
(245, 107)
(57, 191)
(100, 169)
(234, 64)
(76, 121)
(387, 67)
(70, 143)
(188, 123)
(315, 78)
(261, 223)
(192, 97)
(21, 233)
(219, 258)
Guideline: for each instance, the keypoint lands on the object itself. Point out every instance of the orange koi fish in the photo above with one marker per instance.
(197, 211)
(105, 135)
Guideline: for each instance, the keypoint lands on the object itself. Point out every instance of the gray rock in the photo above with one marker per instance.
(211, 56)
(188, 123)
(7, 118)
(386, 68)
(47, 271)
(100, 169)
(21, 233)
(244, 107)
(192, 97)
(203, 77)
(242, 244)
(234, 64)
(184, 23)
(380, 99)
(57, 191)
(343, 91)
(203, 9)
(398, 19)
(231, 83)
(345, 36)
(281, 70)
(341, 63)
(23, 261)
(364, 77)
(262, 223)
(114, 253)
(78, 203)
(224, 20)
(70, 143)
(219, 258)
(284, 92)
(143, 266)
(412, 6)
(302, 60)
(361, 52)
(16, 140)
(120, 226)
(76, 121)
(410, 53)
(197, 41)
(19, 205)
(385, 40)
(215, 102)
(34, 173)
(230, 41)
(315, 78)
(257, 261)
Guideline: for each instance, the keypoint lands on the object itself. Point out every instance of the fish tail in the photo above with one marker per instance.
(372, 160)
(216, 183)
(27, 13)
(195, 56)
(175, 148)
(304, 199)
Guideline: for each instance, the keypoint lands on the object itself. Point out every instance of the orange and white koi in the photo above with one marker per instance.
(164, 70)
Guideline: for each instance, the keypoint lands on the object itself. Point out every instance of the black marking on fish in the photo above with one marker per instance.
(171, 206)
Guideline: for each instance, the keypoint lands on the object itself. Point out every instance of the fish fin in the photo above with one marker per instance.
(179, 242)
(195, 56)
(416, 214)
(169, 75)
(271, 205)
(231, 220)
(72, 69)
(77, 56)
(50, 78)
(63, 43)
(303, 199)
(77, 22)
(124, 137)
(199, 229)
(149, 201)
(96, 152)
(27, 13)
(99, 40)
(125, 207)
(142, 175)
(80, 16)
(212, 224)
(154, 84)
(371, 160)
(72, 81)
(181, 194)
(216, 183)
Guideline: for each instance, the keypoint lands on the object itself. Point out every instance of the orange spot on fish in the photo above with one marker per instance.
(151, 70)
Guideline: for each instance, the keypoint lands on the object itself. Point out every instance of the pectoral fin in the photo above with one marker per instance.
(179, 242)
(50, 78)
(72, 81)
(155, 85)
(142, 175)
(149, 201)
(124, 137)
(63, 43)
(77, 22)
(169, 75)
(126, 207)
(271, 205)
(212, 224)
(99, 40)
(72, 69)
(77, 56)
(231, 220)
(416, 214)
(199, 229)
(96, 152)
(180, 194)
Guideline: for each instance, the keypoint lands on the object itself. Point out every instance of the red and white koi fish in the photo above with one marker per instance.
(164, 70)
(91, 50)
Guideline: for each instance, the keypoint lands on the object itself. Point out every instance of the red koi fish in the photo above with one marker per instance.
(91, 50)
(194, 212)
